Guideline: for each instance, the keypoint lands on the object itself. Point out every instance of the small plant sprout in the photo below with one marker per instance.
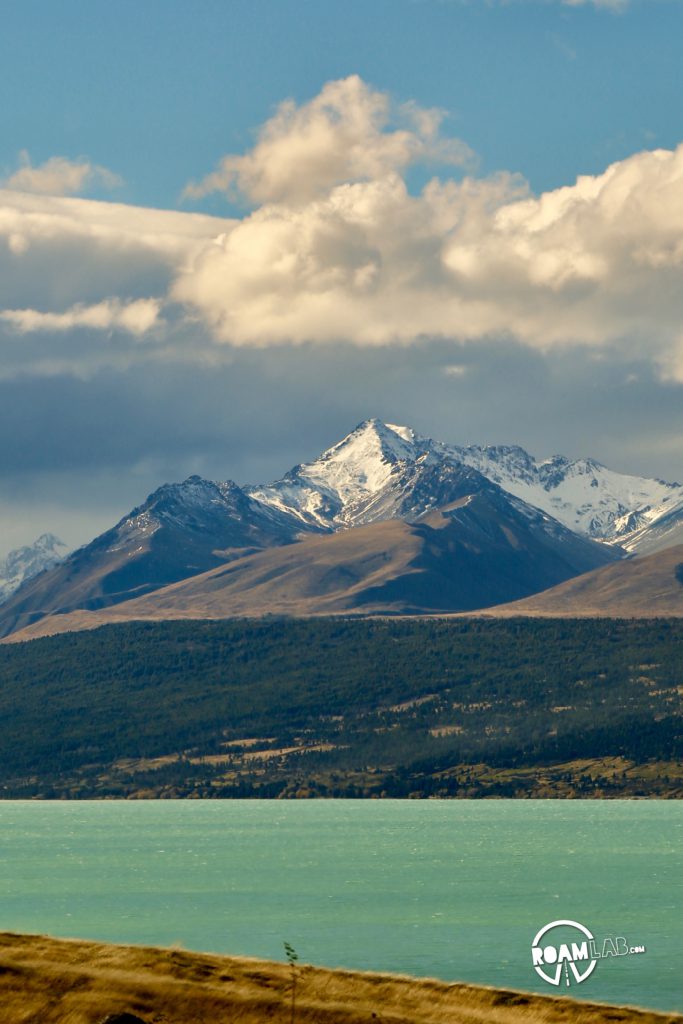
(292, 958)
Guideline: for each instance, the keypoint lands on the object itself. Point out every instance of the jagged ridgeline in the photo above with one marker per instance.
(328, 707)
(384, 522)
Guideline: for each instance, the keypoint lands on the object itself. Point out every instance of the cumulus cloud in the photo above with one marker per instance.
(589, 263)
(136, 317)
(365, 263)
(341, 249)
(344, 134)
(59, 176)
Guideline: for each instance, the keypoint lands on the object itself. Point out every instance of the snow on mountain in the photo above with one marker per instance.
(383, 471)
(199, 505)
(24, 563)
(362, 478)
(186, 526)
(180, 530)
(326, 491)
(582, 494)
(650, 535)
(380, 471)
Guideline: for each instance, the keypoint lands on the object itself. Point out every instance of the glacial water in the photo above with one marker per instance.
(454, 889)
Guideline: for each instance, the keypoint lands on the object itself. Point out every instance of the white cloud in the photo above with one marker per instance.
(365, 263)
(590, 263)
(59, 176)
(344, 251)
(340, 136)
(58, 252)
(135, 317)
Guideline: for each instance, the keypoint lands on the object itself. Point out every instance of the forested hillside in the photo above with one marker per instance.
(345, 708)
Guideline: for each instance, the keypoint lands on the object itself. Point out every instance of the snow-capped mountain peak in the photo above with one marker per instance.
(377, 472)
(362, 464)
(201, 507)
(407, 433)
(25, 562)
(362, 461)
(359, 479)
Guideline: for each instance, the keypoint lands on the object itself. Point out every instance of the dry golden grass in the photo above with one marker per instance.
(645, 587)
(62, 981)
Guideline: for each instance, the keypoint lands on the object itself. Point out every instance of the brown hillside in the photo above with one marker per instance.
(650, 586)
(60, 981)
(474, 553)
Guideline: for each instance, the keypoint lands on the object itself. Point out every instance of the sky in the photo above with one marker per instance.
(229, 232)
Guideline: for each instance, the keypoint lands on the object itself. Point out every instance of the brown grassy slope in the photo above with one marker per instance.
(61, 981)
(641, 588)
(474, 553)
(317, 576)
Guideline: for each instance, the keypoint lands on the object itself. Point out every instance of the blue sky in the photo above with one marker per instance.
(159, 90)
(229, 231)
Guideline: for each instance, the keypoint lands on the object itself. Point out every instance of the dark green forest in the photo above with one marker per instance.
(341, 707)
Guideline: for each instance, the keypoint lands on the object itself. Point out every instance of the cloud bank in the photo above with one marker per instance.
(365, 260)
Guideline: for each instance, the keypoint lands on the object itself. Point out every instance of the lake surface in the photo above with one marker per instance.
(452, 889)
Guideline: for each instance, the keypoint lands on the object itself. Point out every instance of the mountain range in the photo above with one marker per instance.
(24, 563)
(385, 521)
(356, 481)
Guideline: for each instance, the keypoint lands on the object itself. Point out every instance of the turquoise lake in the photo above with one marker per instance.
(449, 889)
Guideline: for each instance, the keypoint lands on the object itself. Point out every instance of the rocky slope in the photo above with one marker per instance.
(362, 478)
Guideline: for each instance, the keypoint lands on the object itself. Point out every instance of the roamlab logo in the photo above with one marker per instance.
(566, 950)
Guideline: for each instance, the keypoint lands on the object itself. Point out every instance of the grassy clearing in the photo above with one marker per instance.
(60, 981)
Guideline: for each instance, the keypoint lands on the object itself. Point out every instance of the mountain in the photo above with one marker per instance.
(359, 480)
(483, 548)
(664, 532)
(582, 493)
(379, 472)
(180, 530)
(648, 586)
(24, 563)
